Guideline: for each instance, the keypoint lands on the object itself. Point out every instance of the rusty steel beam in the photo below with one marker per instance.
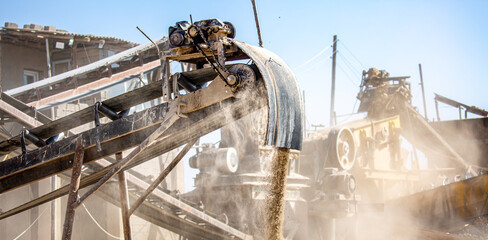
(32, 112)
(54, 158)
(119, 103)
(189, 210)
(196, 124)
(74, 187)
(26, 119)
(167, 123)
(166, 217)
(422, 131)
(124, 200)
(469, 137)
(122, 102)
(115, 136)
(162, 176)
(456, 104)
(92, 87)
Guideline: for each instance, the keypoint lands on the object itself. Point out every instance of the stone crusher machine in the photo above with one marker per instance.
(224, 80)
(360, 166)
(354, 167)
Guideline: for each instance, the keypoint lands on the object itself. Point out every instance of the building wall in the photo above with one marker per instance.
(84, 54)
(1, 56)
(11, 227)
(15, 60)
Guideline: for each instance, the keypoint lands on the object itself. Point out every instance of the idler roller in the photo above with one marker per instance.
(223, 160)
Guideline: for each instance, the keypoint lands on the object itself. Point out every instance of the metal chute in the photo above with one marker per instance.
(284, 99)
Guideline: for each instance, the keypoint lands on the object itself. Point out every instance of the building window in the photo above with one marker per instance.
(30, 76)
(61, 66)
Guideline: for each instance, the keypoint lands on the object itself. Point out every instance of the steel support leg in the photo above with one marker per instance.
(162, 176)
(116, 169)
(437, 109)
(124, 200)
(74, 186)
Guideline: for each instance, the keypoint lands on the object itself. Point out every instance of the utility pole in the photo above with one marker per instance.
(332, 90)
(48, 58)
(304, 115)
(423, 92)
(437, 109)
(254, 8)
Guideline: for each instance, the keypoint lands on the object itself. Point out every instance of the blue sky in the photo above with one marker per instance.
(449, 38)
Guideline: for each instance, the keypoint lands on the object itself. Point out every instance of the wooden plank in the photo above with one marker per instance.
(195, 215)
(124, 200)
(119, 103)
(197, 124)
(115, 137)
(92, 87)
(189, 210)
(165, 218)
(24, 118)
(25, 108)
(140, 95)
(168, 121)
(73, 192)
(162, 176)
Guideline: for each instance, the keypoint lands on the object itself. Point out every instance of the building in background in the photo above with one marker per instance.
(34, 53)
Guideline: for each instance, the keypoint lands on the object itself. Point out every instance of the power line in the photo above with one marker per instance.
(312, 65)
(316, 56)
(353, 73)
(350, 66)
(360, 63)
(32, 224)
(347, 75)
(99, 226)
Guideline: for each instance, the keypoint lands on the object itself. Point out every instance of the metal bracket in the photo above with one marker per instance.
(32, 138)
(112, 115)
(165, 72)
(22, 143)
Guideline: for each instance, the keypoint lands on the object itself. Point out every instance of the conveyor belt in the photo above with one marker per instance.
(197, 113)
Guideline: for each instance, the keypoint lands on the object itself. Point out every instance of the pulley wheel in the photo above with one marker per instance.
(232, 30)
(342, 148)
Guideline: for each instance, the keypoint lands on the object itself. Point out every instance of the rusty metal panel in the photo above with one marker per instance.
(446, 207)
(284, 99)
